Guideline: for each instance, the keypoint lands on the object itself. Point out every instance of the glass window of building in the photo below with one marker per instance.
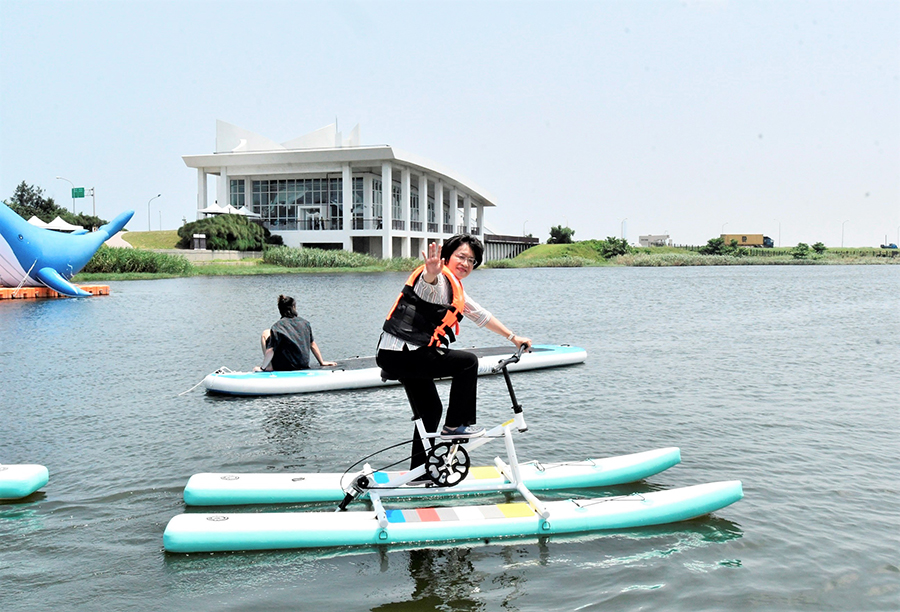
(396, 210)
(358, 196)
(237, 193)
(376, 198)
(414, 203)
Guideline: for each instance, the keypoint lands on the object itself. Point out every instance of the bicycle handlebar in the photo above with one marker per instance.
(514, 359)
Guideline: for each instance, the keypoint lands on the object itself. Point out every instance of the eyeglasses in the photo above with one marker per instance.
(466, 260)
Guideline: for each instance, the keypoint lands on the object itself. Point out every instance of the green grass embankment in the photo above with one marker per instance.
(138, 265)
(165, 239)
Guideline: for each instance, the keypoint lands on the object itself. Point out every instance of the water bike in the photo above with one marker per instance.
(447, 471)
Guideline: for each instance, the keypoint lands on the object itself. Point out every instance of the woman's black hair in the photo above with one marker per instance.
(287, 306)
(457, 241)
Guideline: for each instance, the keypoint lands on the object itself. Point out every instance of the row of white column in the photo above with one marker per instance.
(387, 211)
(387, 231)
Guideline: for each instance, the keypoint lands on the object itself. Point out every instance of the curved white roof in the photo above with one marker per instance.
(324, 150)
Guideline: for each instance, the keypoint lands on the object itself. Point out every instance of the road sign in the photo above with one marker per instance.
(77, 192)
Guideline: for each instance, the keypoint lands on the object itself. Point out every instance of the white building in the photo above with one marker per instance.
(653, 240)
(299, 189)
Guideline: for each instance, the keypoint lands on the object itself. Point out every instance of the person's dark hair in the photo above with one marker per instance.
(457, 241)
(287, 306)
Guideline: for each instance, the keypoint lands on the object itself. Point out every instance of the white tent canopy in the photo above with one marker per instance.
(63, 226)
(212, 209)
(36, 221)
(215, 209)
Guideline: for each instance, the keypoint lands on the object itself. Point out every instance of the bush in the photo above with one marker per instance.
(819, 248)
(227, 232)
(801, 251)
(717, 246)
(290, 257)
(114, 260)
(609, 248)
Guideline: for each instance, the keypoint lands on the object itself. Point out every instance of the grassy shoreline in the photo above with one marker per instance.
(543, 256)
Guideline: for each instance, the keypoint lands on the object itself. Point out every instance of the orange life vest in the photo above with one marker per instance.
(424, 323)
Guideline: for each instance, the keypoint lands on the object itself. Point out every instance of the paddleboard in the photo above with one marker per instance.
(229, 489)
(18, 481)
(362, 372)
(196, 532)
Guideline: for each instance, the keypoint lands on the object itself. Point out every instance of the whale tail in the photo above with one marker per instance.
(113, 227)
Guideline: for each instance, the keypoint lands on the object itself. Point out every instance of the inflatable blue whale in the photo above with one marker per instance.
(33, 256)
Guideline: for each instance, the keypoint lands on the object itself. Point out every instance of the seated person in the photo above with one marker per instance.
(287, 345)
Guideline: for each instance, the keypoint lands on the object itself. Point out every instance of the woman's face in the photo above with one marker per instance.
(462, 262)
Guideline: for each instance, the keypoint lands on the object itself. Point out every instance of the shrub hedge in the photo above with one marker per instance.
(227, 232)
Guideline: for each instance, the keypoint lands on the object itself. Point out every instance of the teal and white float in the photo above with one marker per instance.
(188, 533)
(361, 372)
(18, 481)
(446, 472)
(231, 489)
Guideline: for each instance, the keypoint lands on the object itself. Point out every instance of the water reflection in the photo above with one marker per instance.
(286, 423)
(441, 578)
(21, 516)
(458, 577)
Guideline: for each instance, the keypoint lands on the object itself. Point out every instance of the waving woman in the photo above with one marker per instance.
(419, 328)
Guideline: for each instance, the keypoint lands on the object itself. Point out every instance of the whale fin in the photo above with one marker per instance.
(79, 232)
(112, 228)
(55, 281)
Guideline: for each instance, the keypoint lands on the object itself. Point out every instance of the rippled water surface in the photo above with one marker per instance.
(786, 378)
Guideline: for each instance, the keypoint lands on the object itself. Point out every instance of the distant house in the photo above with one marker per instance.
(323, 191)
(654, 240)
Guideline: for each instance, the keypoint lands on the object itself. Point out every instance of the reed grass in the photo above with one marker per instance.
(116, 260)
(290, 257)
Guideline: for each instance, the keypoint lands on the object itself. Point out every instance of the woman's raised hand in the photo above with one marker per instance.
(433, 263)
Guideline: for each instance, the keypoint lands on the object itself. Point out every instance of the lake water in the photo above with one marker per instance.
(786, 378)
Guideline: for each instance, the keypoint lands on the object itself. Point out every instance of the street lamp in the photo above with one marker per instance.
(523, 227)
(148, 209)
(842, 233)
(723, 227)
(622, 225)
(73, 191)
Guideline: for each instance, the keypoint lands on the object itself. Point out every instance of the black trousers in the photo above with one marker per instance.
(416, 371)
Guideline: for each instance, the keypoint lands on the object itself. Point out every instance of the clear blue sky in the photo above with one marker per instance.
(683, 117)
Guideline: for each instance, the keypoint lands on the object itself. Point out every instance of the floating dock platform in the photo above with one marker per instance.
(36, 293)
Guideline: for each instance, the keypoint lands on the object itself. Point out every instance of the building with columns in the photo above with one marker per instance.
(323, 191)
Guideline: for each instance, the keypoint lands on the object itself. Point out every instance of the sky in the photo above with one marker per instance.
(610, 117)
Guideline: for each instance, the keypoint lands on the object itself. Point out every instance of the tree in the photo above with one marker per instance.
(561, 235)
(819, 248)
(612, 246)
(717, 246)
(228, 232)
(714, 246)
(801, 251)
(29, 201)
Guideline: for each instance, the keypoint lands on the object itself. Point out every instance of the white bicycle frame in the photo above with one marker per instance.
(363, 482)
